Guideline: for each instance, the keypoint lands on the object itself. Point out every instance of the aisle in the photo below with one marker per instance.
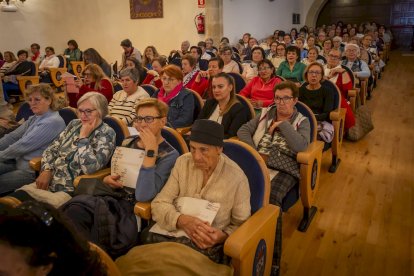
(365, 221)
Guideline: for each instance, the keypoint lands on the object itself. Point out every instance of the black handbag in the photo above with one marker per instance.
(283, 161)
(96, 187)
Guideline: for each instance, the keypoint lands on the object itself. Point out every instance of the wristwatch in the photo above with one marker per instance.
(150, 153)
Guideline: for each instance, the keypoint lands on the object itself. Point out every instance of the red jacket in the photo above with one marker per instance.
(106, 90)
(257, 90)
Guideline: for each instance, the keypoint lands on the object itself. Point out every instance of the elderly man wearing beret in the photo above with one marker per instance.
(205, 173)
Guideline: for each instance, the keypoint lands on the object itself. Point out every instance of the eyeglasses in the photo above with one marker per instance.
(314, 72)
(263, 69)
(86, 112)
(167, 80)
(146, 119)
(333, 57)
(283, 99)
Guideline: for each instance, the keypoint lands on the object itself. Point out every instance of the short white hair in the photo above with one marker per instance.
(97, 100)
(337, 38)
(352, 45)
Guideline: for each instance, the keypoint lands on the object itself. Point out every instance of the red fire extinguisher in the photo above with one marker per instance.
(199, 22)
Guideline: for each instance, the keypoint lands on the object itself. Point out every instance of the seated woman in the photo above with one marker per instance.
(9, 61)
(90, 55)
(85, 146)
(94, 80)
(50, 245)
(312, 56)
(292, 69)
(132, 62)
(342, 79)
(72, 53)
(327, 45)
(22, 67)
(202, 83)
(156, 166)
(224, 107)
(206, 174)
(50, 61)
(318, 97)
(174, 94)
(250, 69)
(124, 102)
(260, 89)
(190, 71)
(279, 133)
(277, 54)
(153, 76)
(29, 140)
(149, 54)
(230, 66)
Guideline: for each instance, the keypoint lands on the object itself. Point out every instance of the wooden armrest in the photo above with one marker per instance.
(352, 93)
(143, 210)
(56, 70)
(10, 201)
(183, 130)
(36, 163)
(306, 157)
(99, 175)
(31, 78)
(337, 114)
(241, 245)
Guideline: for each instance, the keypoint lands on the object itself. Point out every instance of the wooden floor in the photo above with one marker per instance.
(365, 221)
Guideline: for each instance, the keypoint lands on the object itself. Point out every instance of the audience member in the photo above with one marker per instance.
(153, 76)
(129, 51)
(72, 53)
(149, 54)
(50, 61)
(92, 56)
(250, 69)
(292, 69)
(202, 83)
(35, 55)
(190, 70)
(9, 61)
(230, 66)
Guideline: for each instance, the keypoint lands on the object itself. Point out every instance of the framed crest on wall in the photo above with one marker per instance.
(145, 9)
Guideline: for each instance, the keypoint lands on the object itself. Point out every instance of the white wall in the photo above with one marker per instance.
(100, 24)
(259, 17)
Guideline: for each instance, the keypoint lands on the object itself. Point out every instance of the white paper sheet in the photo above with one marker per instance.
(127, 162)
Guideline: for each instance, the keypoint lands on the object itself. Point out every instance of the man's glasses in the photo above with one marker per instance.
(146, 119)
(86, 112)
(283, 99)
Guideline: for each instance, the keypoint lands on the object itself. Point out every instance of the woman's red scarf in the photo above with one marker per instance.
(167, 98)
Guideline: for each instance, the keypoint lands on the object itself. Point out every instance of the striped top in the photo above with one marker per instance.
(123, 106)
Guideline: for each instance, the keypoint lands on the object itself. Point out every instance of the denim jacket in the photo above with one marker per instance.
(181, 109)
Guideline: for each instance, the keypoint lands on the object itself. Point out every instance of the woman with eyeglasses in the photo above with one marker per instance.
(179, 100)
(277, 53)
(35, 239)
(122, 105)
(84, 147)
(260, 89)
(317, 96)
(94, 79)
(335, 72)
(279, 133)
(29, 140)
(157, 163)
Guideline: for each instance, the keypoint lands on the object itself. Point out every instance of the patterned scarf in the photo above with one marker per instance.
(189, 76)
(167, 98)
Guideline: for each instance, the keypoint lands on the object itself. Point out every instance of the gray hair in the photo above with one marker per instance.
(97, 100)
(351, 45)
(337, 38)
(133, 73)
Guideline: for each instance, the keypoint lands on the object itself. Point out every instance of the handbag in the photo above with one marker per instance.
(280, 160)
(363, 124)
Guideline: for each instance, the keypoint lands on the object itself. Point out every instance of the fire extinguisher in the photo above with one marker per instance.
(199, 22)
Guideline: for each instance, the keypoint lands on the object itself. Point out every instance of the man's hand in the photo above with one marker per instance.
(42, 182)
(113, 181)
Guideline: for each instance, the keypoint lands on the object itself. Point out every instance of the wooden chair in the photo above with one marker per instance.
(150, 89)
(111, 268)
(363, 82)
(251, 245)
(30, 79)
(246, 102)
(56, 73)
(78, 67)
(310, 162)
(198, 105)
(337, 117)
(352, 93)
(239, 81)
